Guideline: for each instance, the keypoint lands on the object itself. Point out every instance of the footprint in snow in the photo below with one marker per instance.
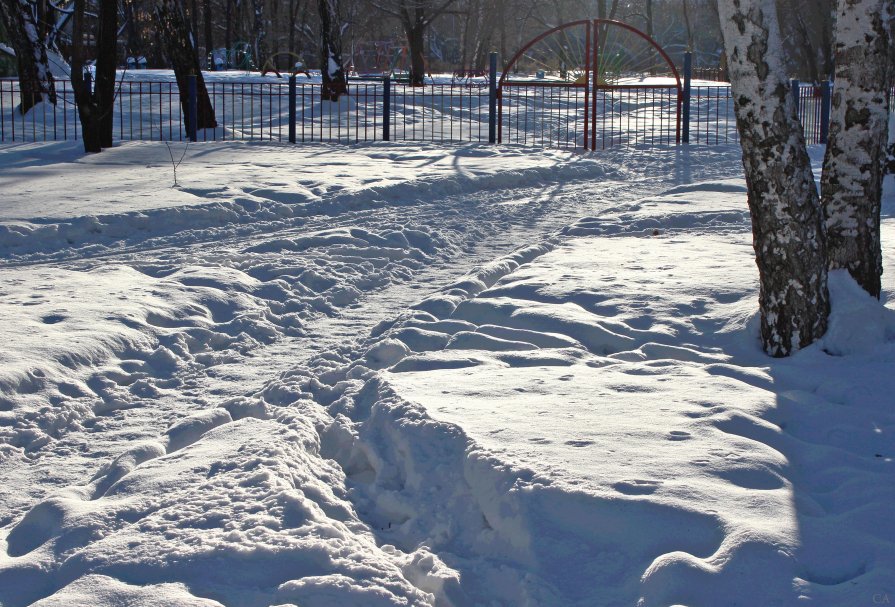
(636, 487)
(579, 443)
(677, 435)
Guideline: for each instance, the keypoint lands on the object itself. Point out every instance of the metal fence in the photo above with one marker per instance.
(532, 113)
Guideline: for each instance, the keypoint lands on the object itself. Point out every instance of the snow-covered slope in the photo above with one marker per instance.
(470, 386)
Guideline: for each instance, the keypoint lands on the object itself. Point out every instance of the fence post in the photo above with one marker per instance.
(387, 108)
(688, 77)
(797, 96)
(193, 122)
(292, 112)
(825, 103)
(492, 98)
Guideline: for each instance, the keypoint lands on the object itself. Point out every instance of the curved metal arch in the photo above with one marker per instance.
(533, 41)
(591, 23)
(591, 65)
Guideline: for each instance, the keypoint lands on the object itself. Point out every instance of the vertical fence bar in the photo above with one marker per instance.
(688, 76)
(492, 98)
(386, 108)
(292, 108)
(797, 96)
(825, 102)
(3, 112)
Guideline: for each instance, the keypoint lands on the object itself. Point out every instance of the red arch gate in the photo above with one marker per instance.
(598, 83)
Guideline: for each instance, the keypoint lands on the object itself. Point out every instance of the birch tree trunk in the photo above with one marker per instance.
(855, 161)
(35, 79)
(180, 48)
(787, 221)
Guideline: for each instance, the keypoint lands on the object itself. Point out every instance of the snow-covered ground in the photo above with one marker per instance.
(406, 375)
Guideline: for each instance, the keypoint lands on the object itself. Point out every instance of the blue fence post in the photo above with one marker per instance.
(492, 99)
(797, 96)
(826, 99)
(193, 122)
(387, 108)
(292, 99)
(688, 77)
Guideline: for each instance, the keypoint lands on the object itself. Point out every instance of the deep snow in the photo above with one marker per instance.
(395, 375)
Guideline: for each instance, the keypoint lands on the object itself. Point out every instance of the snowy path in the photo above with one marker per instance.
(472, 228)
(331, 399)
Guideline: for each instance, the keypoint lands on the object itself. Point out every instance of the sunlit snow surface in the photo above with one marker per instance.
(400, 375)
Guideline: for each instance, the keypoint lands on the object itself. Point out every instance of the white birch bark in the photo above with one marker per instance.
(787, 222)
(855, 161)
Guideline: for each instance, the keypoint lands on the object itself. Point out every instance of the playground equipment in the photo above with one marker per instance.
(297, 67)
(238, 58)
(376, 59)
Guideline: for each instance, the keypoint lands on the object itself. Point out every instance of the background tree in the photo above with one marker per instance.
(787, 221)
(95, 103)
(415, 17)
(855, 160)
(182, 53)
(808, 37)
(23, 29)
(332, 70)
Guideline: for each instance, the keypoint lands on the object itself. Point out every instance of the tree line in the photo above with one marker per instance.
(416, 35)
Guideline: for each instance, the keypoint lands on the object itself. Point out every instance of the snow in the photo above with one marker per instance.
(401, 374)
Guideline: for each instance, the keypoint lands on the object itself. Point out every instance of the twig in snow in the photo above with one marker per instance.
(174, 163)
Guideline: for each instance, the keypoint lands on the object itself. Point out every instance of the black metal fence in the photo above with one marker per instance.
(533, 113)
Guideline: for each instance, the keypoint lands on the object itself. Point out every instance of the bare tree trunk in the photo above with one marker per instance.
(650, 27)
(106, 62)
(228, 27)
(183, 56)
(194, 20)
(259, 33)
(855, 161)
(209, 33)
(35, 79)
(334, 81)
(414, 28)
(96, 107)
(686, 10)
(134, 42)
(787, 220)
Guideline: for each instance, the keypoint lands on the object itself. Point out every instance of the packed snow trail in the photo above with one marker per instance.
(213, 312)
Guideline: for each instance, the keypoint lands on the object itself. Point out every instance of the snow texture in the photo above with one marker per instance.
(418, 376)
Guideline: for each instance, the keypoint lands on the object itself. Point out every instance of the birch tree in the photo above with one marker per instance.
(855, 160)
(36, 82)
(787, 220)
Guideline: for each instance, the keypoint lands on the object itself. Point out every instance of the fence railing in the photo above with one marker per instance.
(533, 113)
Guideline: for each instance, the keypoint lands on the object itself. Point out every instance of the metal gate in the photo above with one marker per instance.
(597, 83)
